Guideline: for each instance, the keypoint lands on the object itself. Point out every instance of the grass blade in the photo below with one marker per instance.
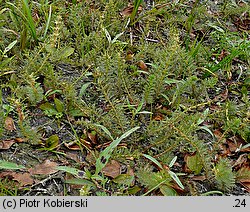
(30, 21)
(156, 162)
(72, 171)
(137, 4)
(104, 156)
(105, 130)
(176, 179)
(126, 134)
(77, 181)
(47, 23)
(172, 161)
(9, 165)
(9, 47)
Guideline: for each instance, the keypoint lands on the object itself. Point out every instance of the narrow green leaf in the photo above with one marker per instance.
(212, 193)
(30, 22)
(126, 134)
(59, 105)
(139, 107)
(133, 190)
(78, 181)
(172, 81)
(107, 35)
(124, 179)
(105, 130)
(194, 163)
(219, 29)
(155, 187)
(145, 112)
(10, 165)
(153, 160)
(168, 191)
(172, 161)
(166, 97)
(116, 37)
(5, 63)
(51, 92)
(84, 88)
(52, 142)
(74, 171)
(245, 146)
(118, 140)
(204, 116)
(206, 129)
(65, 52)
(48, 109)
(47, 22)
(137, 4)
(9, 47)
(3, 10)
(176, 179)
(104, 156)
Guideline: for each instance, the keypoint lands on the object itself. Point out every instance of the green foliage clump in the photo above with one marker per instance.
(178, 73)
(8, 188)
(29, 133)
(224, 176)
(34, 94)
(156, 180)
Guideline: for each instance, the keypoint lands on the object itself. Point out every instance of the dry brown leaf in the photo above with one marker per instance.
(233, 146)
(9, 124)
(246, 185)
(223, 54)
(92, 137)
(87, 143)
(242, 23)
(242, 159)
(243, 176)
(243, 173)
(244, 180)
(23, 179)
(245, 150)
(47, 167)
(112, 169)
(6, 174)
(234, 143)
(215, 107)
(142, 65)
(73, 156)
(199, 178)
(6, 144)
(131, 172)
(129, 9)
(19, 140)
(177, 188)
(20, 113)
(225, 151)
(222, 96)
(158, 117)
(35, 15)
(218, 134)
(72, 146)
